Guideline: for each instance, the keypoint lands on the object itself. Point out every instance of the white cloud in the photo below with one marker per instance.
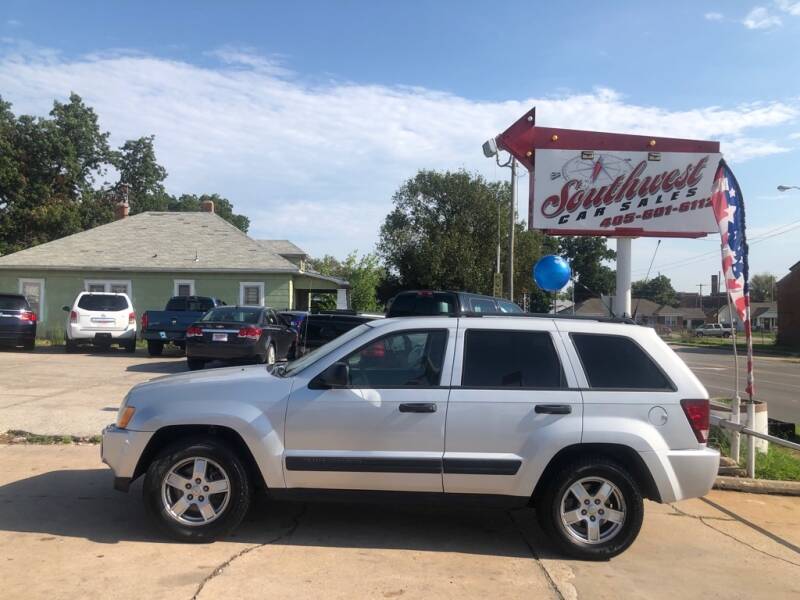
(319, 162)
(790, 7)
(714, 16)
(14, 23)
(760, 18)
(794, 136)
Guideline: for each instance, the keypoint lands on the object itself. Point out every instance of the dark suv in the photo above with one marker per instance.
(317, 329)
(419, 303)
(17, 322)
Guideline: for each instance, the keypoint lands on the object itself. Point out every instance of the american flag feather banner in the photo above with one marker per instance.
(728, 204)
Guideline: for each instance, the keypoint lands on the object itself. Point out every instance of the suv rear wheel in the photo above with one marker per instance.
(592, 509)
(197, 490)
(154, 347)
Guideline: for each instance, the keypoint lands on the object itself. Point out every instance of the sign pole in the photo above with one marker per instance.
(511, 230)
(622, 301)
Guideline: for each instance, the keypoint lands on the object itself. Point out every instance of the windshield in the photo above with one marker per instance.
(232, 314)
(309, 359)
(508, 307)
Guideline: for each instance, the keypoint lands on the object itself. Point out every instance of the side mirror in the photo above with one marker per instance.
(65, 308)
(335, 376)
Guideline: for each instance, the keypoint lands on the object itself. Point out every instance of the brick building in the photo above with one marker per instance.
(789, 308)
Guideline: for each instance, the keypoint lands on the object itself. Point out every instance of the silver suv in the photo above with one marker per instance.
(580, 418)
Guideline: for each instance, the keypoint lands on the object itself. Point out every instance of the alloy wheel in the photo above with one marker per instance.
(195, 491)
(592, 510)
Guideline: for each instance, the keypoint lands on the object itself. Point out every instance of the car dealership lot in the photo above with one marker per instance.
(60, 519)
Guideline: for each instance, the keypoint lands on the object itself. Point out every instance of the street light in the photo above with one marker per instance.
(490, 150)
(786, 188)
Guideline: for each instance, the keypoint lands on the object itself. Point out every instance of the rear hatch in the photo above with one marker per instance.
(103, 312)
(15, 314)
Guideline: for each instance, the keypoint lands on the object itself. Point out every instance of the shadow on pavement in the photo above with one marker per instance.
(81, 503)
(161, 366)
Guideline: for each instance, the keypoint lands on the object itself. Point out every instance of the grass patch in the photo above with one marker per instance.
(764, 345)
(781, 464)
(15, 436)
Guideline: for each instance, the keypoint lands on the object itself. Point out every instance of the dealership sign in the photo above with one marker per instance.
(592, 183)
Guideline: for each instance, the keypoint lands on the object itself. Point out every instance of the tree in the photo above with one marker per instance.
(585, 255)
(140, 171)
(443, 232)
(363, 274)
(762, 287)
(222, 207)
(658, 289)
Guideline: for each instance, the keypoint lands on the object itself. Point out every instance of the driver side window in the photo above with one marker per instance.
(403, 359)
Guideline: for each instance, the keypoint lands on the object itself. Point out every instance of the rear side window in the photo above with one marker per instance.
(482, 305)
(199, 304)
(614, 361)
(511, 359)
(13, 303)
(176, 303)
(405, 305)
(102, 302)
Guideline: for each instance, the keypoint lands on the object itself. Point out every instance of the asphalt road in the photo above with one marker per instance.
(777, 379)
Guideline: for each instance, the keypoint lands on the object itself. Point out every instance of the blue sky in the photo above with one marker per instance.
(309, 116)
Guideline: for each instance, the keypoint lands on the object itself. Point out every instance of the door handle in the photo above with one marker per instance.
(418, 407)
(553, 409)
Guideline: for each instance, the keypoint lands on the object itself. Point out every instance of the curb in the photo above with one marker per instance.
(757, 486)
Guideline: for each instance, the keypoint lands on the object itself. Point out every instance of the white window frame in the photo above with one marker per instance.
(258, 284)
(176, 283)
(107, 283)
(22, 281)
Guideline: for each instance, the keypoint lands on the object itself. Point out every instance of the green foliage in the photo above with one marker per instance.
(443, 233)
(222, 206)
(586, 255)
(51, 167)
(658, 289)
(762, 287)
(364, 275)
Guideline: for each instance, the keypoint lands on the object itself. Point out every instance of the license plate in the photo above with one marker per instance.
(162, 335)
(99, 320)
(219, 337)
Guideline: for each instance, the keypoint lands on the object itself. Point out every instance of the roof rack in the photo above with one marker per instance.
(625, 320)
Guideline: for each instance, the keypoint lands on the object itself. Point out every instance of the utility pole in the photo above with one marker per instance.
(511, 230)
(700, 285)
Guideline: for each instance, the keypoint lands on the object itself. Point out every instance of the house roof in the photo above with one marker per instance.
(687, 312)
(283, 247)
(155, 241)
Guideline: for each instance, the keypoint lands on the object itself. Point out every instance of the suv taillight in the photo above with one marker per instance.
(194, 331)
(698, 414)
(251, 333)
(28, 315)
(73, 316)
(145, 319)
(131, 318)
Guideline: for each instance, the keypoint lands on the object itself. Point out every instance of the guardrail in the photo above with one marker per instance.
(739, 428)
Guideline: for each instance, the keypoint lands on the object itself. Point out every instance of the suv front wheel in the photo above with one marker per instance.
(592, 509)
(197, 491)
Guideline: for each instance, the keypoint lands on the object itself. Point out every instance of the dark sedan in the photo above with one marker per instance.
(238, 333)
(17, 322)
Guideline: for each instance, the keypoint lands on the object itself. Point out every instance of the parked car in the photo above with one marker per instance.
(238, 333)
(713, 330)
(317, 329)
(580, 418)
(417, 303)
(17, 322)
(101, 319)
(161, 327)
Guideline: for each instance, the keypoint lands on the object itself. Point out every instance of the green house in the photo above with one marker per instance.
(155, 255)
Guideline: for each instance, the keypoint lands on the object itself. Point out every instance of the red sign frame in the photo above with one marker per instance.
(523, 138)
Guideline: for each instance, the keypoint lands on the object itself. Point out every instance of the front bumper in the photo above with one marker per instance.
(121, 449)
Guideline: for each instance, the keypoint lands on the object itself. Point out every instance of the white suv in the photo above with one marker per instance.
(580, 418)
(101, 319)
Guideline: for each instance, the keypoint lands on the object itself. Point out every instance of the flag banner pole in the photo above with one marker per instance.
(728, 204)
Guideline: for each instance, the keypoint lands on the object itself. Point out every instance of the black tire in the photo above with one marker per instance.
(726, 335)
(130, 347)
(29, 345)
(230, 515)
(155, 348)
(195, 364)
(548, 509)
(70, 347)
(700, 334)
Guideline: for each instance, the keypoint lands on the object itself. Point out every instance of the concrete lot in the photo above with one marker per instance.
(777, 379)
(65, 534)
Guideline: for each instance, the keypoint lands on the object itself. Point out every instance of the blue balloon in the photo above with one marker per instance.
(551, 273)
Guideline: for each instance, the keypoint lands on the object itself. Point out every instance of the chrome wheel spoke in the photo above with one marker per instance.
(199, 471)
(604, 492)
(178, 482)
(593, 531)
(206, 510)
(614, 516)
(180, 507)
(579, 492)
(573, 516)
(215, 487)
